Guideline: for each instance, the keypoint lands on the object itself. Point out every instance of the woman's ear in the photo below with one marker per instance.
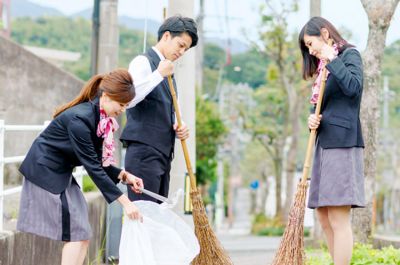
(105, 96)
(325, 34)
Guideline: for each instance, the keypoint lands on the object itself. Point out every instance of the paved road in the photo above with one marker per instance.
(250, 250)
(243, 248)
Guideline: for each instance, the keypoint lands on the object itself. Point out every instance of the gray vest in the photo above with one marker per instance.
(151, 121)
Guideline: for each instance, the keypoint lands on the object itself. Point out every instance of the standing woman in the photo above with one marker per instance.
(81, 133)
(337, 182)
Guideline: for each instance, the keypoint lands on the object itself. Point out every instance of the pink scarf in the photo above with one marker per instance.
(106, 128)
(317, 83)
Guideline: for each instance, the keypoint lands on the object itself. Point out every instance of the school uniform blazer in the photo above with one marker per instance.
(340, 125)
(69, 141)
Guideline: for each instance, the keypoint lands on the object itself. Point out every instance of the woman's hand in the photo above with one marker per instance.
(314, 121)
(130, 179)
(327, 52)
(132, 211)
(130, 208)
(137, 183)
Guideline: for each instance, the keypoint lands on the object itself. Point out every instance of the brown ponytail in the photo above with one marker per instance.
(118, 85)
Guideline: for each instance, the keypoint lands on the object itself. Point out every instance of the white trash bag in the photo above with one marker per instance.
(162, 239)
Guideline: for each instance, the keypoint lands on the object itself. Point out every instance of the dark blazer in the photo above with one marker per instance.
(70, 140)
(340, 125)
(151, 121)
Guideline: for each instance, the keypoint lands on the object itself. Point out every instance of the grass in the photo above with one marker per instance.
(88, 184)
(362, 255)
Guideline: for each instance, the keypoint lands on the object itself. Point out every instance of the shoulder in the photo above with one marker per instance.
(82, 114)
(139, 60)
(139, 67)
(350, 52)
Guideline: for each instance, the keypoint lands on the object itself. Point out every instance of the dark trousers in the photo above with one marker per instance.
(152, 166)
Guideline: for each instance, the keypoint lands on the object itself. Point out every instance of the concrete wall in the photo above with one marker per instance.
(30, 90)
(22, 249)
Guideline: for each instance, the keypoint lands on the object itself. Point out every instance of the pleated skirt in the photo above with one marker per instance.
(62, 217)
(337, 178)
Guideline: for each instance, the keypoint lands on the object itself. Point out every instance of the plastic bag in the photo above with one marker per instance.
(162, 239)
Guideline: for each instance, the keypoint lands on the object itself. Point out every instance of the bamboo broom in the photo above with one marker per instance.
(291, 248)
(211, 251)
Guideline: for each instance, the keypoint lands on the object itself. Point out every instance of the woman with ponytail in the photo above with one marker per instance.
(81, 133)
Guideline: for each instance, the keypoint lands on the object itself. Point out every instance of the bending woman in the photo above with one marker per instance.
(81, 133)
(337, 181)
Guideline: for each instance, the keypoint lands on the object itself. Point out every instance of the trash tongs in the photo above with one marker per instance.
(152, 194)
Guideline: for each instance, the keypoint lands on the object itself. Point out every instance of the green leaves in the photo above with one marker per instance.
(362, 255)
(210, 130)
(74, 34)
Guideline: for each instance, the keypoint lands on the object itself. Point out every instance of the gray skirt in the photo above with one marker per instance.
(61, 217)
(337, 178)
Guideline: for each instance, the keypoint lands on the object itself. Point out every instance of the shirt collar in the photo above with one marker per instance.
(158, 53)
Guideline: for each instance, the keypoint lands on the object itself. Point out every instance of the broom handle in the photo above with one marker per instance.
(183, 142)
(313, 133)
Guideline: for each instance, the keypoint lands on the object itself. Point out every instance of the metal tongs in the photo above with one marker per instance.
(152, 194)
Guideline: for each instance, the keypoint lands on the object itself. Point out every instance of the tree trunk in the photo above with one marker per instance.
(292, 155)
(278, 181)
(264, 191)
(379, 16)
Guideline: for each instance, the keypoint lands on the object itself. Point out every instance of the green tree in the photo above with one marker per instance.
(286, 93)
(209, 133)
(253, 66)
(74, 35)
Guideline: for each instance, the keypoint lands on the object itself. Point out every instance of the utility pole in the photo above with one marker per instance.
(105, 58)
(315, 8)
(95, 37)
(200, 49)
(108, 36)
(185, 79)
(5, 14)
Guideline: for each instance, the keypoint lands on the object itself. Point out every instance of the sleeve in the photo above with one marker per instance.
(144, 80)
(348, 72)
(82, 144)
(113, 172)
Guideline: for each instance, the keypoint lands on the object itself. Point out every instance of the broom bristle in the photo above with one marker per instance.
(291, 248)
(211, 250)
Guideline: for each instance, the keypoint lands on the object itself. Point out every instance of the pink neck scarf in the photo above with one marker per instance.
(105, 129)
(317, 83)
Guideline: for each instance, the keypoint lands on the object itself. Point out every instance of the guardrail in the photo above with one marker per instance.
(78, 174)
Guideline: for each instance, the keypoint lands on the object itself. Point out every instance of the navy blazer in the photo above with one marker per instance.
(340, 125)
(70, 140)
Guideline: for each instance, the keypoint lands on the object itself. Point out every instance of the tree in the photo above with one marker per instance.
(266, 122)
(379, 14)
(210, 130)
(284, 73)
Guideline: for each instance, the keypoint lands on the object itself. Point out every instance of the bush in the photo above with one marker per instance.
(88, 184)
(264, 226)
(362, 255)
(271, 231)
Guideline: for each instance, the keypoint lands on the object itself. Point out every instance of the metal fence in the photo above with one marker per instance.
(78, 174)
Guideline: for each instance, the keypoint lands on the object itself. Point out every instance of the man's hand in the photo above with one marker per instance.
(182, 132)
(165, 68)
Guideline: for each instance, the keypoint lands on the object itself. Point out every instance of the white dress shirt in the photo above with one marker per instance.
(143, 78)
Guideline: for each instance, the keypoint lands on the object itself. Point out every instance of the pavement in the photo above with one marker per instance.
(250, 250)
(242, 247)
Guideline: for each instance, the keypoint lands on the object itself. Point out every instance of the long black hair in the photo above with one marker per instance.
(313, 28)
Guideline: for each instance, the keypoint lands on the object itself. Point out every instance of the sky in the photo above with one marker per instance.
(244, 16)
